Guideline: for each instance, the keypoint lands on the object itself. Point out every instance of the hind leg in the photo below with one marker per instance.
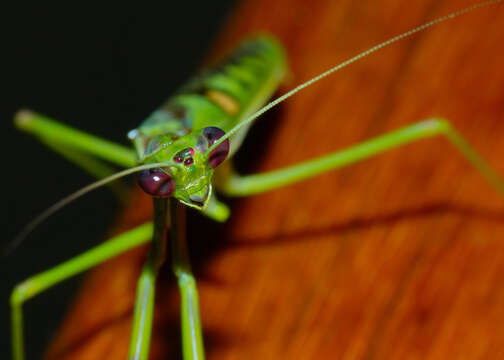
(236, 185)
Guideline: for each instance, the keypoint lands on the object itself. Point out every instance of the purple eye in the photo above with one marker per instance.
(219, 154)
(156, 182)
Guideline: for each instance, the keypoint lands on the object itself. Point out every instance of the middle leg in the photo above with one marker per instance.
(236, 185)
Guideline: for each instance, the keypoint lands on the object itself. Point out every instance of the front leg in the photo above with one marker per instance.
(216, 210)
(192, 338)
(144, 303)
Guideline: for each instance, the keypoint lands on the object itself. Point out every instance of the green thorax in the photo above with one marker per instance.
(221, 97)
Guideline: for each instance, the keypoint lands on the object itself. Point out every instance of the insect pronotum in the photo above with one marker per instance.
(182, 156)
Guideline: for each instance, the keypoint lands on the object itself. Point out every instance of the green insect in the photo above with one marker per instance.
(181, 152)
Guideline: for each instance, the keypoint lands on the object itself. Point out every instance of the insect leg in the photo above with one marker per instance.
(235, 185)
(216, 209)
(68, 141)
(44, 280)
(144, 303)
(192, 339)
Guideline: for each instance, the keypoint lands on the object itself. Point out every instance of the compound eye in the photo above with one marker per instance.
(219, 154)
(156, 182)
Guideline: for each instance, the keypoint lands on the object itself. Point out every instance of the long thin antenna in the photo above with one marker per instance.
(21, 236)
(348, 62)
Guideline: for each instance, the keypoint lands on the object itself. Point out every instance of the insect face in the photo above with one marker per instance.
(189, 179)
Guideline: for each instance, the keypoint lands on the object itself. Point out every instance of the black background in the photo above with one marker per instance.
(100, 70)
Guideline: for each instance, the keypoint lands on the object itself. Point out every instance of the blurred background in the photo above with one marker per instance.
(99, 69)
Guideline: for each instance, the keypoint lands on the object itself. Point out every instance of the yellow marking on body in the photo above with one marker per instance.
(226, 102)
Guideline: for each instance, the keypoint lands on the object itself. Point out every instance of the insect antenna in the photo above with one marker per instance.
(39, 219)
(347, 62)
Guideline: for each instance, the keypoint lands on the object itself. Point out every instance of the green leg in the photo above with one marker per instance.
(235, 185)
(144, 304)
(192, 343)
(69, 141)
(92, 166)
(192, 339)
(216, 210)
(40, 282)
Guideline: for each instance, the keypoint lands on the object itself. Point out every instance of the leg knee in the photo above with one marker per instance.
(440, 123)
(19, 294)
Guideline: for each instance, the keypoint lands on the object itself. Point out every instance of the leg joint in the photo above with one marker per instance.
(440, 124)
(19, 294)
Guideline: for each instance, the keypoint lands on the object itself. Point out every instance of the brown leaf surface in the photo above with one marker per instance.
(398, 257)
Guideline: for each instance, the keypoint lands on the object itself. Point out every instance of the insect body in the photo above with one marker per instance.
(182, 137)
(182, 131)
(180, 148)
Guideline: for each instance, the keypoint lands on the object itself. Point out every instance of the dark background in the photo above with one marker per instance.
(100, 70)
